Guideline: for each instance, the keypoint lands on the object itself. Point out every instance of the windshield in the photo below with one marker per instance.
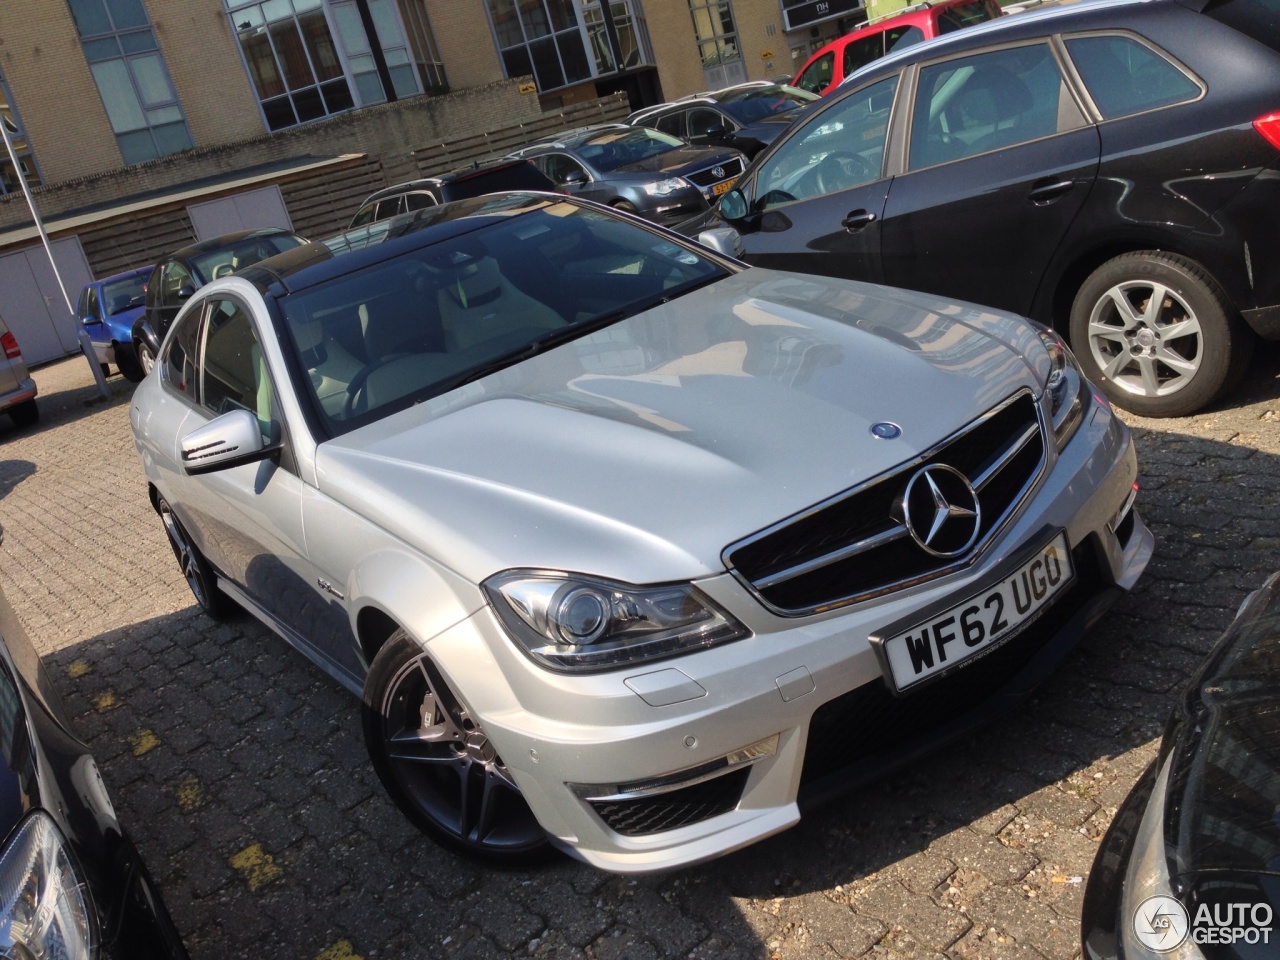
(618, 148)
(748, 106)
(227, 260)
(120, 295)
(381, 338)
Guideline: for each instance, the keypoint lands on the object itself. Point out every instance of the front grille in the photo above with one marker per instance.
(705, 178)
(856, 545)
(645, 815)
(870, 720)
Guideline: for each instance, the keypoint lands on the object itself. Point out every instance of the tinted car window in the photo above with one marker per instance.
(1124, 76)
(365, 215)
(841, 148)
(232, 369)
(419, 201)
(1259, 19)
(91, 308)
(672, 123)
(817, 77)
(179, 362)
(899, 38)
(975, 104)
(702, 121)
(123, 294)
(966, 15)
(861, 52)
(172, 280)
(224, 261)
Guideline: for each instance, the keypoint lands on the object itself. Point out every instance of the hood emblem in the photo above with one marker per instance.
(718, 172)
(940, 510)
(886, 430)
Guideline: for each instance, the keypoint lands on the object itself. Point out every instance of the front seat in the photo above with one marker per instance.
(477, 303)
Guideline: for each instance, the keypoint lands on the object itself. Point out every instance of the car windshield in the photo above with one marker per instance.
(748, 106)
(227, 260)
(397, 332)
(120, 295)
(612, 149)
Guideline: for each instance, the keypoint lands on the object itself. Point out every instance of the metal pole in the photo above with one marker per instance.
(86, 345)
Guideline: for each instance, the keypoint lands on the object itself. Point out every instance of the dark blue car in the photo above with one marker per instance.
(108, 309)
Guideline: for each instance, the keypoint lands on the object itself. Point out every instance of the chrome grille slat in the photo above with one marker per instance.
(705, 178)
(855, 545)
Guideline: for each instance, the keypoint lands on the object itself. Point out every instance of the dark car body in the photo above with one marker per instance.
(746, 117)
(108, 309)
(47, 774)
(1047, 163)
(472, 181)
(1200, 828)
(176, 277)
(636, 169)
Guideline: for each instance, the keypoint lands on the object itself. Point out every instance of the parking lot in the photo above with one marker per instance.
(243, 774)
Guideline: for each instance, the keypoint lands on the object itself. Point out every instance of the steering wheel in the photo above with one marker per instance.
(360, 379)
(841, 169)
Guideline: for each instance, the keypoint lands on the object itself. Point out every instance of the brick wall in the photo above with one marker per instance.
(466, 42)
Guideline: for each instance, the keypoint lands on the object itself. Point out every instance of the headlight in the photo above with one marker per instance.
(666, 187)
(572, 623)
(44, 908)
(1066, 387)
(1150, 926)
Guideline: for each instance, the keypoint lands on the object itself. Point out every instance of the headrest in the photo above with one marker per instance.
(475, 282)
(308, 335)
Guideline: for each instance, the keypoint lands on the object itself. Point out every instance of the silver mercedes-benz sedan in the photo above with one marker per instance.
(630, 549)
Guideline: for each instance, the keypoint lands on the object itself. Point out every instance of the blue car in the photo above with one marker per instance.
(108, 309)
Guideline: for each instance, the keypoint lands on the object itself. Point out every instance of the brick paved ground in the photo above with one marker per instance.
(242, 772)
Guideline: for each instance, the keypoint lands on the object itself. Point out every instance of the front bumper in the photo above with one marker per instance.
(614, 765)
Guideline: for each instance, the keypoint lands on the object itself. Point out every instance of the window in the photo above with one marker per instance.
(717, 36)
(134, 84)
(90, 309)
(179, 363)
(559, 168)
(233, 371)
(859, 53)
(1124, 76)
(9, 182)
(817, 76)
(899, 38)
(966, 15)
(672, 124)
(173, 280)
(419, 201)
(843, 147)
(702, 121)
(986, 102)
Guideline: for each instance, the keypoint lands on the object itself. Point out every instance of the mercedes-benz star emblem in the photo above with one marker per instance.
(940, 510)
(718, 172)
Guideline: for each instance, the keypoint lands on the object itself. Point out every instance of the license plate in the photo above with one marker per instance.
(722, 188)
(982, 621)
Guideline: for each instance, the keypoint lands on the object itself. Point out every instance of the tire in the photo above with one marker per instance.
(624, 206)
(25, 414)
(1158, 334)
(106, 370)
(195, 568)
(442, 771)
(127, 362)
(146, 358)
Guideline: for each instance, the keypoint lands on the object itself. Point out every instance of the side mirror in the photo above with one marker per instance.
(733, 205)
(711, 133)
(575, 178)
(723, 240)
(186, 292)
(227, 441)
(90, 321)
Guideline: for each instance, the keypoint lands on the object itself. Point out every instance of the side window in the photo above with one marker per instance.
(975, 104)
(365, 215)
(179, 360)
(672, 123)
(419, 201)
(559, 167)
(702, 121)
(390, 207)
(838, 149)
(861, 52)
(817, 76)
(1124, 76)
(93, 308)
(899, 38)
(172, 280)
(232, 369)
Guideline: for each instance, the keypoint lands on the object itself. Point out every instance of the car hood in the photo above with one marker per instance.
(681, 160)
(640, 451)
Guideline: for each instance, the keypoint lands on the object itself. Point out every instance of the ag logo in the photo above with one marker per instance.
(1161, 923)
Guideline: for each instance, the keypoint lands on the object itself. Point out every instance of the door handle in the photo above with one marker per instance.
(857, 219)
(1046, 191)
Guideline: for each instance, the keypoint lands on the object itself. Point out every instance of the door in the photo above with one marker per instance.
(999, 162)
(815, 204)
(250, 210)
(33, 305)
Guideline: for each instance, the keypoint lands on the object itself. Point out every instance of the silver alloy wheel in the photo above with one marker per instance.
(145, 358)
(188, 560)
(1145, 338)
(448, 768)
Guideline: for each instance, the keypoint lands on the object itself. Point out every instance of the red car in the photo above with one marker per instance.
(829, 65)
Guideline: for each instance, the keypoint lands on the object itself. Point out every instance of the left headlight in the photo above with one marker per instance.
(1066, 386)
(666, 187)
(44, 906)
(574, 623)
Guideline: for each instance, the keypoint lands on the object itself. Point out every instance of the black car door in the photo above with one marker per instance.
(814, 204)
(999, 161)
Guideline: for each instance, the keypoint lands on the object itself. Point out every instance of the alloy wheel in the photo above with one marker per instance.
(1145, 338)
(188, 559)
